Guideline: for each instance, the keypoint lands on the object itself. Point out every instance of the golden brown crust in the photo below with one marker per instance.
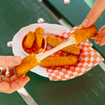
(59, 61)
(83, 34)
(39, 32)
(54, 41)
(27, 64)
(30, 38)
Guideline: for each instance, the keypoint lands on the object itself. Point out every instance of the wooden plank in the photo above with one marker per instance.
(11, 99)
(75, 12)
(88, 89)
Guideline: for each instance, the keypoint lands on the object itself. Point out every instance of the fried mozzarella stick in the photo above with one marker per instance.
(39, 32)
(59, 61)
(30, 38)
(83, 34)
(78, 36)
(54, 41)
(27, 64)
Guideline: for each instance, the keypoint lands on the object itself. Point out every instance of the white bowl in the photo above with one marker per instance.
(41, 50)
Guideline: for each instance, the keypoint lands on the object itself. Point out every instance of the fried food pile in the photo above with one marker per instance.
(34, 41)
(30, 61)
(71, 59)
(80, 35)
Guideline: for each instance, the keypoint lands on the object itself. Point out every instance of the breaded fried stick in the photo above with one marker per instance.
(54, 41)
(30, 38)
(83, 34)
(59, 61)
(78, 36)
(39, 32)
(27, 63)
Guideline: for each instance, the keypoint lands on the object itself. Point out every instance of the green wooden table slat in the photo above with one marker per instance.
(11, 99)
(17, 14)
(88, 89)
(13, 16)
(75, 12)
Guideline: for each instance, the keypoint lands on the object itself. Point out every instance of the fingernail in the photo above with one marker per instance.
(26, 77)
(16, 60)
(85, 22)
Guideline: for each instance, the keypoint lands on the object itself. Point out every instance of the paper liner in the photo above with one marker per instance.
(87, 59)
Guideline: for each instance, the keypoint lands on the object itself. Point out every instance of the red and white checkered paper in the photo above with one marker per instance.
(87, 59)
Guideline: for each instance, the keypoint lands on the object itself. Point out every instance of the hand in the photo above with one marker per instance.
(11, 82)
(95, 12)
(100, 36)
(10, 61)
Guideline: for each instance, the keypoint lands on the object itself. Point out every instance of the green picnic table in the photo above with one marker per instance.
(88, 89)
(75, 12)
(11, 99)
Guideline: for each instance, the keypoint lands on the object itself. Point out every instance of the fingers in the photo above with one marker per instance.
(11, 72)
(102, 28)
(13, 83)
(3, 71)
(10, 61)
(94, 13)
(98, 35)
(4, 87)
(102, 42)
(14, 78)
(7, 87)
(17, 85)
(97, 41)
(4, 79)
(23, 81)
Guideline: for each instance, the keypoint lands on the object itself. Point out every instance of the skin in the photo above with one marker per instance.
(93, 15)
(11, 82)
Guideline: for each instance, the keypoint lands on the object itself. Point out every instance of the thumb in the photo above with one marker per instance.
(94, 13)
(10, 61)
